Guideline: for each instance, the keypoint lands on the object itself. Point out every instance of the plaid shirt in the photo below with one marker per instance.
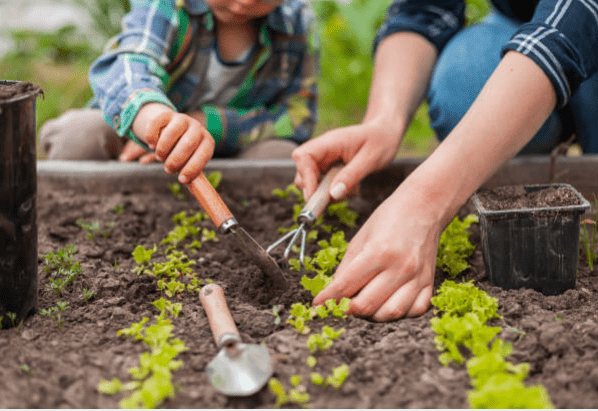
(561, 36)
(162, 56)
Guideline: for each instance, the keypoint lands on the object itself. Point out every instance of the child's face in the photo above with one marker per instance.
(241, 11)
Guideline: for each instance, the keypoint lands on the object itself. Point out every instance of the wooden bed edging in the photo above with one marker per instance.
(105, 177)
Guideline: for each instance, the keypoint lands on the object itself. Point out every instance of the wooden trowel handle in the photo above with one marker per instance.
(321, 198)
(210, 200)
(220, 319)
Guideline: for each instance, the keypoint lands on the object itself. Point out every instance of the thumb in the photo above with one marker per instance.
(348, 178)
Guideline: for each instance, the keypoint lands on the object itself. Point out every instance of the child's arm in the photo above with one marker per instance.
(132, 72)
(292, 115)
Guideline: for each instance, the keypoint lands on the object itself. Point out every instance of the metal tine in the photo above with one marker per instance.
(280, 240)
(298, 231)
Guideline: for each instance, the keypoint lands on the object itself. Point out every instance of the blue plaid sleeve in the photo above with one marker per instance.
(132, 70)
(437, 21)
(562, 38)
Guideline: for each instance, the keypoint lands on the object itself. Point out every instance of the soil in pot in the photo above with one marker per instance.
(392, 365)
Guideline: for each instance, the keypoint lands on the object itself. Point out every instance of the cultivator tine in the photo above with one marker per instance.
(312, 210)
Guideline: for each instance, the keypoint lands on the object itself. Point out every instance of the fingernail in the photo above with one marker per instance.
(338, 191)
(159, 158)
(183, 179)
(168, 170)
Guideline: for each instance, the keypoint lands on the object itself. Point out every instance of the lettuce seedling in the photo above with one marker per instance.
(338, 377)
(215, 177)
(454, 247)
(506, 391)
(324, 340)
(167, 307)
(344, 214)
(142, 257)
(118, 209)
(177, 191)
(461, 298)
(153, 376)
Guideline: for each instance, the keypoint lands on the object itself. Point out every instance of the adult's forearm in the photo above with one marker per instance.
(402, 71)
(511, 108)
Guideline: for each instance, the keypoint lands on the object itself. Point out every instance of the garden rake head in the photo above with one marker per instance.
(312, 210)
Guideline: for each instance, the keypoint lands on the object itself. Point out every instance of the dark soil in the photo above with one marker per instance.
(13, 90)
(517, 197)
(393, 365)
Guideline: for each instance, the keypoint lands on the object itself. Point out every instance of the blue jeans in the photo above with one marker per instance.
(467, 62)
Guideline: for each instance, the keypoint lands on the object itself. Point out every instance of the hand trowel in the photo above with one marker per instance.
(238, 369)
(213, 204)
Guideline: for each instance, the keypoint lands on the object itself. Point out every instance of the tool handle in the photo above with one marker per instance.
(210, 200)
(321, 198)
(220, 319)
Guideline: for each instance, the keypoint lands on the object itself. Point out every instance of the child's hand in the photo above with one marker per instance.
(179, 140)
(132, 151)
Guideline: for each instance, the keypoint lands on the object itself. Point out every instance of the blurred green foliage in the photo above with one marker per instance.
(58, 62)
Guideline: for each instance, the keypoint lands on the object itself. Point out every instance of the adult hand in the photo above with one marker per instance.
(364, 148)
(388, 269)
(179, 140)
(133, 151)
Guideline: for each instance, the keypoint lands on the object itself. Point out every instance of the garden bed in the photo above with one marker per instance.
(392, 365)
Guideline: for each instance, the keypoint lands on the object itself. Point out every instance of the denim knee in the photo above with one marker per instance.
(462, 69)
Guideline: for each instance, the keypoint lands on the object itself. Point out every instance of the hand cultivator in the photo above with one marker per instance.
(310, 212)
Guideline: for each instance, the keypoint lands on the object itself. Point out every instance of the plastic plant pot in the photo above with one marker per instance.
(18, 190)
(533, 248)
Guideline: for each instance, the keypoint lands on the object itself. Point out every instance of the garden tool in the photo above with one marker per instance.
(213, 204)
(310, 212)
(238, 369)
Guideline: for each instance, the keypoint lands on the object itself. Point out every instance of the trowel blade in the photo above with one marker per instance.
(260, 257)
(243, 373)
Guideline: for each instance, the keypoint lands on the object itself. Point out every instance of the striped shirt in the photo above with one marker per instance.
(561, 36)
(163, 53)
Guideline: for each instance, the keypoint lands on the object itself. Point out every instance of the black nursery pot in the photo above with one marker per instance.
(534, 248)
(18, 216)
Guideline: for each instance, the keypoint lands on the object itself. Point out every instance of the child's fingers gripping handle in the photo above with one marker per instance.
(210, 200)
(220, 319)
(321, 198)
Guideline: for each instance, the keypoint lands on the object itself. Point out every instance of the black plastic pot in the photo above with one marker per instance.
(534, 248)
(18, 190)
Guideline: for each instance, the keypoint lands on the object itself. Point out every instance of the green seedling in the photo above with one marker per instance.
(63, 271)
(12, 317)
(118, 209)
(296, 395)
(177, 191)
(338, 377)
(143, 257)
(215, 177)
(167, 307)
(462, 330)
(152, 379)
(276, 314)
(324, 340)
(86, 294)
(94, 228)
(344, 214)
(311, 361)
(454, 247)
(194, 286)
(25, 368)
(1, 318)
(54, 313)
(589, 241)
